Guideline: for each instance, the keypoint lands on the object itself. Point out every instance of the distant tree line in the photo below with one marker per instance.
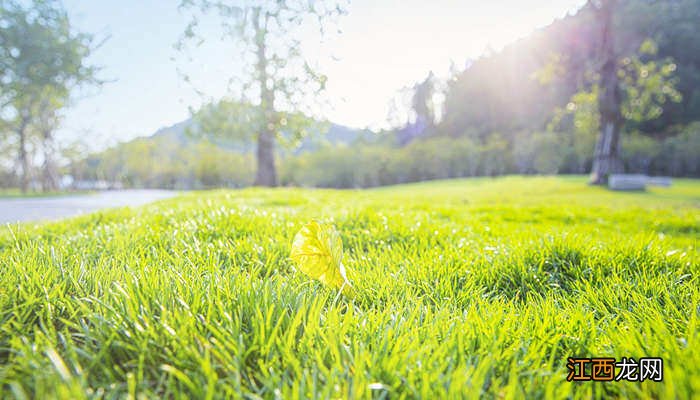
(163, 163)
(529, 153)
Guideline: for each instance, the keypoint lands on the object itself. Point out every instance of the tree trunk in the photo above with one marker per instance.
(49, 180)
(23, 157)
(606, 159)
(266, 174)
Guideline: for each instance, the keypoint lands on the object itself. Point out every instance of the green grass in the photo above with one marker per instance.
(465, 288)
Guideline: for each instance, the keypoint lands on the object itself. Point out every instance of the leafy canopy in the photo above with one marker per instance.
(273, 75)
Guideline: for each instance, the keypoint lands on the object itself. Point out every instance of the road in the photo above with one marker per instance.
(52, 208)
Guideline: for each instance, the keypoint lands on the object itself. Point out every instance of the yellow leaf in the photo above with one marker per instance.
(318, 252)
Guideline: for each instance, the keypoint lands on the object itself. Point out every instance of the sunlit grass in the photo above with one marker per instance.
(464, 288)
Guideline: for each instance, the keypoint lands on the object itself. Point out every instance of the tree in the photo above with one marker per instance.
(42, 59)
(606, 157)
(422, 100)
(23, 117)
(278, 77)
(644, 86)
(413, 109)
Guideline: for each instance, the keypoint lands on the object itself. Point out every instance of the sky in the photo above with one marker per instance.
(384, 45)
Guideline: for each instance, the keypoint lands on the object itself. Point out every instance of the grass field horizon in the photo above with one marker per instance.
(464, 289)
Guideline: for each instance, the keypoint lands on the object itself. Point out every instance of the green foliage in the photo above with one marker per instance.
(546, 152)
(241, 122)
(164, 163)
(539, 152)
(673, 26)
(373, 165)
(578, 125)
(39, 49)
(647, 85)
(679, 154)
(639, 152)
(465, 289)
(42, 60)
(521, 87)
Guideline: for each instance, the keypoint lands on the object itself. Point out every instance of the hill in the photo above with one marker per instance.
(332, 134)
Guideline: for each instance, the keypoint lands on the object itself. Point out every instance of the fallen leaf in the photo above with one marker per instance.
(318, 252)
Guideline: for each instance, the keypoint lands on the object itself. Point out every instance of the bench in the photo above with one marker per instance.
(627, 182)
(636, 181)
(664, 181)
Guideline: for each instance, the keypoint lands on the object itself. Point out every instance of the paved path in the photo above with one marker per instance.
(51, 208)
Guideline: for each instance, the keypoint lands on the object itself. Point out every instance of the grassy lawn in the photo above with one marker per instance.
(465, 288)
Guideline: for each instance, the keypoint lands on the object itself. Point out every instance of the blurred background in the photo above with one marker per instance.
(212, 93)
